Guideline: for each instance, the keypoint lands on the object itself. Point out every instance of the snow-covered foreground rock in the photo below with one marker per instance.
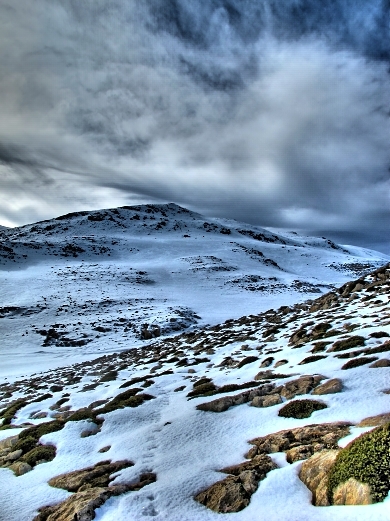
(83, 284)
(171, 419)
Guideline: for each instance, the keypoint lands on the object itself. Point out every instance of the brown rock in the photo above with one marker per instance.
(233, 493)
(322, 436)
(281, 362)
(20, 468)
(96, 476)
(8, 443)
(272, 399)
(12, 456)
(223, 404)
(330, 387)
(266, 401)
(352, 492)
(374, 421)
(228, 495)
(302, 385)
(78, 507)
(383, 362)
(314, 474)
(299, 453)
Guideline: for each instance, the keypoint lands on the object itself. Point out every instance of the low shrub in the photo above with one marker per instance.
(301, 408)
(42, 452)
(366, 459)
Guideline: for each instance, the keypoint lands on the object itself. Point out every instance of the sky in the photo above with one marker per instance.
(271, 112)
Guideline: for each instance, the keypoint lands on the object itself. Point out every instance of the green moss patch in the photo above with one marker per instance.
(301, 408)
(40, 430)
(40, 453)
(9, 412)
(367, 459)
(128, 398)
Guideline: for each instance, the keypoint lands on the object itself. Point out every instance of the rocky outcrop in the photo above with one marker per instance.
(266, 401)
(317, 437)
(302, 385)
(233, 493)
(314, 474)
(81, 506)
(332, 386)
(95, 476)
(223, 404)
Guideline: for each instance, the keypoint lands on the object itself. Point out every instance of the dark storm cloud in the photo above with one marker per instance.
(271, 112)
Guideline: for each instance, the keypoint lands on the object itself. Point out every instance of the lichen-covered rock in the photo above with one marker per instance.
(352, 492)
(314, 474)
(332, 386)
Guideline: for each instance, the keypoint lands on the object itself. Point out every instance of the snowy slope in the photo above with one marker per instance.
(84, 283)
(186, 447)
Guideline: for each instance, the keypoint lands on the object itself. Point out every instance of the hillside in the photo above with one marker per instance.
(85, 283)
(197, 423)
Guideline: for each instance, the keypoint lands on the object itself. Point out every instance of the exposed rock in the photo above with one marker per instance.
(20, 468)
(302, 385)
(352, 492)
(299, 453)
(332, 386)
(82, 505)
(95, 476)
(281, 362)
(383, 362)
(79, 507)
(314, 474)
(12, 456)
(320, 437)
(266, 401)
(228, 495)
(267, 362)
(8, 443)
(233, 493)
(375, 421)
(223, 404)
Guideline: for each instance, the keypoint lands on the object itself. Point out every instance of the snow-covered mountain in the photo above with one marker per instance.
(243, 420)
(85, 283)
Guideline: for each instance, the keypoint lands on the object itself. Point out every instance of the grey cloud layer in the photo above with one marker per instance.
(271, 112)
